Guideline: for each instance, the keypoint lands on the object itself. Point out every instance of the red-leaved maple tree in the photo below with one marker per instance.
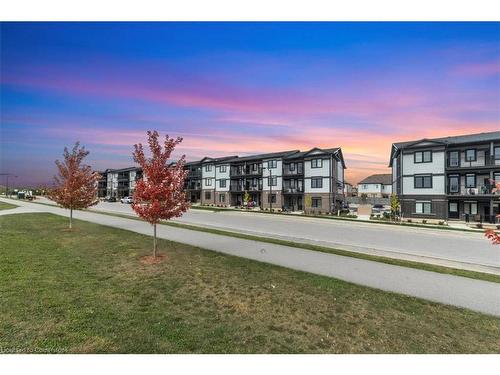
(160, 194)
(75, 186)
(493, 236)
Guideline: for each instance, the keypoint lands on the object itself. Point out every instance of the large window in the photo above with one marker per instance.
(316, 182)
(470, 181)
(470, 155)
(470, 208)
(316, 163)
(272, 181)
(497, 153)
(208, 195)
(208, 182)
(423, 182)
(222, 183)
(454, 158)
(272, 164)
(423, 157)
(423, 207)
(316, 202)
(222, 198)
(222, 169)
(208, 168)
(454, 184)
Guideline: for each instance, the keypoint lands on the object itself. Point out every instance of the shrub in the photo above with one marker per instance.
(424, 221)
(479, 225)
(409, 220)
(441, 222)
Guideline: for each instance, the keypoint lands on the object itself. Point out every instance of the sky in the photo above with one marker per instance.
(240, 88)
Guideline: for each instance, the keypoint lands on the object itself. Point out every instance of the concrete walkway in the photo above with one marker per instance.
(473, 294)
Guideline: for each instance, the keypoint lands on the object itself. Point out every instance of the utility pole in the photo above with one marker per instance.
(7, 175)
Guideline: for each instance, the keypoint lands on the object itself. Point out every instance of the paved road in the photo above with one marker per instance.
(473, 294)
(452, 248)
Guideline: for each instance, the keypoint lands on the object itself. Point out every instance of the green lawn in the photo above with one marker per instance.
(87, 291)
(6, 206)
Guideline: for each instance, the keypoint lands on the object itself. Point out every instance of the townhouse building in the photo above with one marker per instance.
(451, 178)
(121, 182)
(311, 181)
(376, 186)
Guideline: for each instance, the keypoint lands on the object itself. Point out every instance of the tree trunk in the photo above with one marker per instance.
(70, 218)
(154, 241)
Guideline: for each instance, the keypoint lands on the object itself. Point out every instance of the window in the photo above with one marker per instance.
(497, 153)
(424, 207)
(208, 182)
(316, 202)
(470, 181)
(208, 168)
(423, 182)
(423, 157)
(453, 184)
(272, 164)
(316, 163)
(316, 182)
(222, 169)
(470, 208)
(254, 167)
(222, 198)
(208, 195)
(273, 198)
(291, 167)
(497, 178)
(453, 207)
(222, 183)
(272, 181)
(454, 158)
(470, 155)
(365, 186)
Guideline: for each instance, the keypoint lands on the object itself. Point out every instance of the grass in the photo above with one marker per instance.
(6, 206)
(86, 291)
(376, 258)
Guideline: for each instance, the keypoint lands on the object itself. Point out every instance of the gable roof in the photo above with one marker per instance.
(280, 154)
(453, 140)
(383, 179)
(208, 159)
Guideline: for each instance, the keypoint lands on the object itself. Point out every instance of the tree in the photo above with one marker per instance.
(160, 194)
(395, 205)
(75, 186)
(493, 236)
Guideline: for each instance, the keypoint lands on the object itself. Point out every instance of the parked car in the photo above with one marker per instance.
(110, 199)
(377, 208)
(127, 200)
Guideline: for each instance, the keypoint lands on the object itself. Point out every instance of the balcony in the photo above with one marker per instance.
(297, 171)
(254, 187)
(479, 190)
(194, 174)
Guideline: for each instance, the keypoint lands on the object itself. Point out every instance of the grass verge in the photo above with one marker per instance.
(7, 206)
(86, 291)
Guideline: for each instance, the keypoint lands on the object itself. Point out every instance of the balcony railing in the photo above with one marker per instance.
(473, 191)
(293, 190)
(488, 161)
(298, 170)
(254, 187)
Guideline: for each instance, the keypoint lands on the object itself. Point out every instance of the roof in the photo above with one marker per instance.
(458, 139)
(123, 169)
(383, 179)
(208, 159)
(446, 141)
(280, 154)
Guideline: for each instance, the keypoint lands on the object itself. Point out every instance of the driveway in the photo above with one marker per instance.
(478, 295)
(464, 250)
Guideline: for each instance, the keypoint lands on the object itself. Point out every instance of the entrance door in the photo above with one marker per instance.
(453, 210)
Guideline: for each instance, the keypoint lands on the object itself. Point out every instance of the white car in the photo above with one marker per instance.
(127, 200)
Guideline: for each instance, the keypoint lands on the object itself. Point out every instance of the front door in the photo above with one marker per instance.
(453, 212)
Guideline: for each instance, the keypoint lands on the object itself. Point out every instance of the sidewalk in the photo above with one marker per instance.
(473, 294)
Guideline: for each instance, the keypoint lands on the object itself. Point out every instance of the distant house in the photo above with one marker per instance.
(348, 189)
(376, 186)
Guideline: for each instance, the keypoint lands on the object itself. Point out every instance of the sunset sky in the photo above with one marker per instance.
(241, 88)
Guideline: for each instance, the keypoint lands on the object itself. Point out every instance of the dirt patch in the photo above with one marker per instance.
(149, 259)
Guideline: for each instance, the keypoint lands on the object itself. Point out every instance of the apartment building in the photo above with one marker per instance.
(311, 181)
(450, 178)
(120, 182)
(376, 186)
